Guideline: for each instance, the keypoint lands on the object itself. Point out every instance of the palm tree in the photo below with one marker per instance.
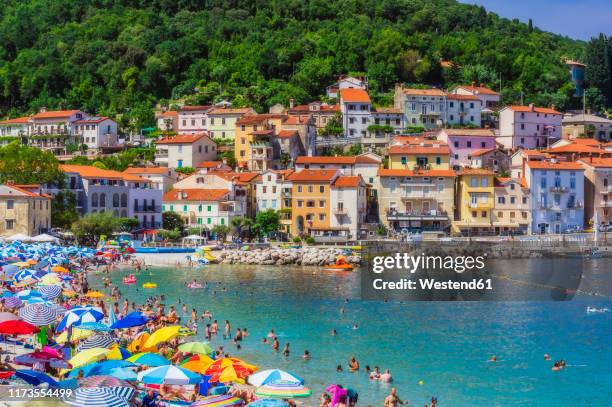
(241, 224)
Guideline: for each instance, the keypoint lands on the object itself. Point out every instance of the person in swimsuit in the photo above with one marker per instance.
(392, 400)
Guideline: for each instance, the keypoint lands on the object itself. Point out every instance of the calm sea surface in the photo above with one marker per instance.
(432, 349)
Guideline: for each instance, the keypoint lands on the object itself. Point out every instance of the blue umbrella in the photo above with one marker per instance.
(50, 291)
(100, 368)
(112, 318)
(100, 397)
(99, 340)
(149, 359)
(94, 326)
(131, 320)
(268, 403)
(35, 378)
(38, 314)
(24, 274)
(78, 316)
(122, 373)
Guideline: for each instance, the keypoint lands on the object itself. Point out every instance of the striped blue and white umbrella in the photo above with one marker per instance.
(169, 375)
(38, 314)
(50, 291)
(12, 302)
(95, 326)
(26, 294)
(270, 375)
(77, 316)
(99, 340)
(101, 397)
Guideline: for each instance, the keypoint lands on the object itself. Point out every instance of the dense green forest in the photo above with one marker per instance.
(122, 56)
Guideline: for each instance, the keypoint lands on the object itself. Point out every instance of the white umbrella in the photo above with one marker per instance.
(194, 237)
(45, 238)
(19, 236)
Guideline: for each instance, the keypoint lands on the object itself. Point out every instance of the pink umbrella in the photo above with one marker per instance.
(8, 316)
(336, 391)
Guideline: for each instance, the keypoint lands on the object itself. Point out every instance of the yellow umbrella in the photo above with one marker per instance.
(50, 279)
(69, 293)
(77, 334)
(88, 356)
(31, 262)
(197, 363)
(94, 294)
(118, 353)
(138, 344)
(21, 264)
(24, 283)
(162, 335)
(59, 269)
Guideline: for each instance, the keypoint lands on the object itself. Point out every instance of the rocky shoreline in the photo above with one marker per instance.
(306, 256)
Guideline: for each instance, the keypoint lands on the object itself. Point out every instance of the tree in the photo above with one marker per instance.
(185, 170)
(333, 128)
(221, 231)
(598, 73)
(90, 227)
(127, 224)
(285, 160)
(63, 210)
(242, 225)
(267, 222)
(28, 165)
(173, 221)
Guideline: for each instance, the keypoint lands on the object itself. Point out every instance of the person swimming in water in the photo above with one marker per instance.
(353, 365)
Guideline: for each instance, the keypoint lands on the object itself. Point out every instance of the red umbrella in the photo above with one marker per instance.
(17, 327)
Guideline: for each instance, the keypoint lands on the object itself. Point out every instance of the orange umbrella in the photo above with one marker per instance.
(197, 363)
(137, 345)
(229, 370)
(31, 261)
(94, 294)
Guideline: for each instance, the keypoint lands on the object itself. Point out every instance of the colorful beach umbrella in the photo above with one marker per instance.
(123, 374)
(30, 359)
(95, 294)
(12, 302)
(76, 334)
(35, 378)
(88, 356)
(100, 397)
(271, 375)
(131, 320)
(38, 314)
(24, 274)
(17, 327)
(224, 400)
(197, 363)
(229, 370)
(77, 316)
(169, 375)
(283, 389)
(49, 279)
(99, 340)
(148, 359)
(59, 269)
(164, 334)
(104, 367)
(103, 381)
(8, 316)
(118, 353)
(137, 345)
(95, 326)
(268, 403)
(196, 347)
(50, 291)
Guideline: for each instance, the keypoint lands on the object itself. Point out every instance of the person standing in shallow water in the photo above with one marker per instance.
(392, 400)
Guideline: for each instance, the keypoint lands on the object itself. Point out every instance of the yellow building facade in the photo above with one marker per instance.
(24, 210)
(427, 155)
(474, 200)
(310, 200)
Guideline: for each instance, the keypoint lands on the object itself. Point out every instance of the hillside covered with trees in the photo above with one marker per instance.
(122, 56)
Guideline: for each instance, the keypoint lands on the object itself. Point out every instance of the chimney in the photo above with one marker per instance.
(43, 109)
(482, 85)
(473, 83)
(531, 107)
(552, 106)
(291, 103)
(10, 182)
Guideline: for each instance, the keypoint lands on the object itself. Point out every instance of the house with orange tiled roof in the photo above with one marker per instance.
(511, 213)
(489, 98)
(494, 158)
(185, 150)
(557, 195)
(426, 154)
(348, 210)
(386, 122)
(24, 209)
(463, 142)
(125, 194)
(463, 110)
(167, 120)
(162, 178)
(321, 112)
(97, 132)
(221, 121)
(597, 191)
(365, 164)
(421, 107)
(310, 201)
(346, 81)
(202, 208)
(529, 127)
(54, 129)
(474, 197)
(416, 200)
(192, 119)
(16, 127)
(355, 106)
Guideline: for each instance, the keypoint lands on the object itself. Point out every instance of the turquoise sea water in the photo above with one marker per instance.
(446, 345)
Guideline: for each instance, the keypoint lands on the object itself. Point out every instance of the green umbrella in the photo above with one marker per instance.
(196, 347)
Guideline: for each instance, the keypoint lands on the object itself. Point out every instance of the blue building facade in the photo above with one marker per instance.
(557, 196)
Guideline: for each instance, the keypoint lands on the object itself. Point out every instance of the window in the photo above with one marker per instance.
(300, 203)
(321, 217)
(500, 214)
(10, 204)
(321, 204)
(484, 214)
(310, 204)
(483, 144)
(474, 214)
(274, 203)
(10, 224)
(543, 182)
(474, 182)
(512, 186)
(209, 208)
(456, 144)
(469, 144)
(299, 188)
(322, 189)
(513, 200)
(438, 160)
(522, 126)
(573, 183)
(264, 203)
(264, 189)
(310, 189)
(501, 200)
(184, 208)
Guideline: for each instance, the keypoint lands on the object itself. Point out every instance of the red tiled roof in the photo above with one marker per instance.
(17, 120)
(347, 182)
(418, 149)
(547, 165)
(575, 148)
(322, 109)
(475, 171)
(313, 176)
(527, 109)
(479, 89)
(469, 132)
(25, 190)
(587, 141)
(455, 96)
(287, 133)
(354, 95)
(597, 162)
(388, 110)
(89, 171)
(55, 114)
(384, 172)
(342, 160)
(258, 118)
(194, 108)
(97, 119)
(147, 170)
(296, 120)
(220, 111)
(169, 113)
(500, 181)
(482, 151)
(181, 139)
(424, 92)
(209, 164)
(199, 194)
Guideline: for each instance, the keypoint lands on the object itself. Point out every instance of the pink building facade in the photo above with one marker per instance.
(463, 142)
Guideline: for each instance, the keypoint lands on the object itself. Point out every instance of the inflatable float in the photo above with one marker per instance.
(131, 279)
(149, 285)
(195, 285)
(208, 256)
(340, 265)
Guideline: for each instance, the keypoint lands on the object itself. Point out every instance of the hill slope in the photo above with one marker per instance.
(117, 56)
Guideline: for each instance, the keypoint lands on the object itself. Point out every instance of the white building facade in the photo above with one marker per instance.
(529, 127)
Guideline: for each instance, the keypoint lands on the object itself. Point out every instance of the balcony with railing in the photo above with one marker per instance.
(340, 211)
(488, 204)
(147, 209)
(396, 215)
(606, 204)
(558, 188)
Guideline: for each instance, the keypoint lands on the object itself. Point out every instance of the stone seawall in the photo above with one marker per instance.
(306, 256)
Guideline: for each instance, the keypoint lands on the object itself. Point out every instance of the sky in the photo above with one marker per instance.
(579, 19)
